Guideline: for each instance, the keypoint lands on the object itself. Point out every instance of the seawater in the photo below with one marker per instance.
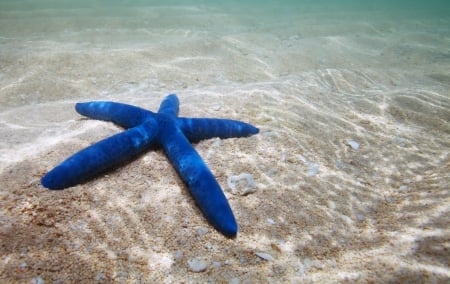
(274, 38)
(352, 99)
(383, 61)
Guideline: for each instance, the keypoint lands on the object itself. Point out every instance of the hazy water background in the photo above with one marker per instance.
(315, 76)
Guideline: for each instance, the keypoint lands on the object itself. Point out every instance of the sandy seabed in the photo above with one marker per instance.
(351, 164)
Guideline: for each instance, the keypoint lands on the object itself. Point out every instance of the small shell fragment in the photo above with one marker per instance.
(197, 265)
(242, 184)
(265, 256)
(353, 144)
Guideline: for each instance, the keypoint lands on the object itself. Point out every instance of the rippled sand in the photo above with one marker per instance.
(317, 83)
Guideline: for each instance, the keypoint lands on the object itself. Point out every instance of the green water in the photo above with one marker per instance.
(25, 18)
(395, 6)
(351, 165)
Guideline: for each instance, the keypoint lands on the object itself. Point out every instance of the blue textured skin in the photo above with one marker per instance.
(121, 114)
(164, 129)
(98, 157)
(196, 129)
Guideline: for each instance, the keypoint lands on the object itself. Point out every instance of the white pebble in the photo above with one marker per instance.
(313, 170)
(37, 280)
(178, 255)
(403, 188)
(317, 264)
(242, 184)
(210, 246)
(271, 221)
(348, 276)
(202, 231)
(197, 265)
(353, 144)
(307, 261)
(360, 217)
(217, 264)
(100, 277)
(265, 256)
(235, 280)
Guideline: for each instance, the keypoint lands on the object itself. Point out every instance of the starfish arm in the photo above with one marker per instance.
(124, 115)
(196, 129)
(106, 154)
(201, 182)
(170, 105)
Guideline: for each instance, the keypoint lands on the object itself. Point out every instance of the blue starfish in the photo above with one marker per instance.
(144, 130)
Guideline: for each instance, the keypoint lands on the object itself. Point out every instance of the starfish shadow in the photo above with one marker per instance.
(144, 131)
